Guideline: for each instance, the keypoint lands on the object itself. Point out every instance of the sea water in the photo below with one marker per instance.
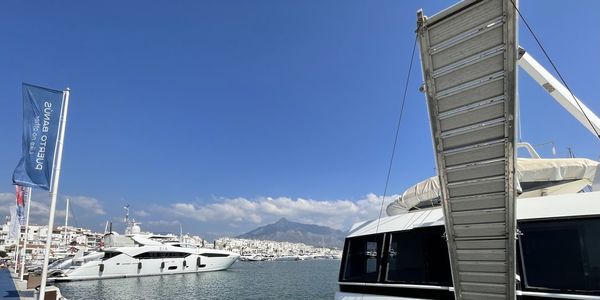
(311, 279)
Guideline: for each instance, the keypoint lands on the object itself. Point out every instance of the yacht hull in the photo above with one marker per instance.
(123, 265)
(91, 270)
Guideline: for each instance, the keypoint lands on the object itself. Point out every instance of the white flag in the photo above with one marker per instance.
(15, 227)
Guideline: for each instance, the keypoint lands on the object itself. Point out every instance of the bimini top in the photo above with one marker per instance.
(115, 240)
(536, 177)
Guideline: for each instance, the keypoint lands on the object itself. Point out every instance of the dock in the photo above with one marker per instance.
(12, 288)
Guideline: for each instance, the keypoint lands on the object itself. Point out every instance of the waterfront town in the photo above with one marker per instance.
(67, 240)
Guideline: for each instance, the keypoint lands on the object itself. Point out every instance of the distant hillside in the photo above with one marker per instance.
(286, 231)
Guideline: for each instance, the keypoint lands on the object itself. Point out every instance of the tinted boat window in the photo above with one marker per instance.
(561, 254)
(419, 256)
(214, 255)
(362, 258)
(110, 254)
(160, 254)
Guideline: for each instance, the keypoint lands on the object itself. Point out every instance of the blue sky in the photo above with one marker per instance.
(224, 115)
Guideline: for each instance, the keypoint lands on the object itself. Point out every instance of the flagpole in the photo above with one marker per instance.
(66, 223)
(26, 233)
(18, 243)
(54, 191)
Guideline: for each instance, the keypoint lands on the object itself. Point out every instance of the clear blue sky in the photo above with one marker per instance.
(178, 107)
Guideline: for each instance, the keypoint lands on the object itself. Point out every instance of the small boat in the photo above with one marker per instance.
(287, 258)
(251, 258)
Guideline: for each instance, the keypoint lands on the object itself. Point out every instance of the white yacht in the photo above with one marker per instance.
(489, 225)
(558, 247)
(140, 254)
(131, 256)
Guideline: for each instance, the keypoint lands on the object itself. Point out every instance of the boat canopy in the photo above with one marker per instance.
(145, 241)
(536, 177)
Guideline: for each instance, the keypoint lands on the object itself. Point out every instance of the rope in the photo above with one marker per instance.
(412, 57)
(554, 67)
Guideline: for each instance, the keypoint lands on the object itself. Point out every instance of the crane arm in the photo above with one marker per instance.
(560, 93)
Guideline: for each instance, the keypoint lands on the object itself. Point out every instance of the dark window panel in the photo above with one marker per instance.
(561, 255)
(419, 256)
(362, 258)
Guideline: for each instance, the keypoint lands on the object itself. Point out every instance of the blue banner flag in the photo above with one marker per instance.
(41, 117)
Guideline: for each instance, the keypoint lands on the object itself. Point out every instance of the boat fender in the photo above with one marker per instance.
(198, 262)
(162, 265)
(140, 265)
(101, 267)
(184, 263)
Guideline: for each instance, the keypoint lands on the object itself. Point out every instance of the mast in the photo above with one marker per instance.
(67, 223)
(26, 233)
(54, 190)
(17, 250)
(127, 226)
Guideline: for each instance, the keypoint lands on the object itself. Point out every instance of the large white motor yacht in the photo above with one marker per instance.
(131, 256)
(489, 225)
(405, 255)
(140, 254)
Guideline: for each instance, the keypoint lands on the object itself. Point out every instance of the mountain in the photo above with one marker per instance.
(287, 231)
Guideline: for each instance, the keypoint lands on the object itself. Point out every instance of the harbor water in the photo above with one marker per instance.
(311, 279)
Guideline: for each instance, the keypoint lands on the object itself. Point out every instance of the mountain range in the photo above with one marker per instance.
(287, 231)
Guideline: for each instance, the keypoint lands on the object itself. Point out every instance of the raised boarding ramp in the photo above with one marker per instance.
(468, 54)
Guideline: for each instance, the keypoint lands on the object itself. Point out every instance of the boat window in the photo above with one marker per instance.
(561, 255)
(110, 254)
(214, 255)
(161, 254)
(362, 258)
(419, 256)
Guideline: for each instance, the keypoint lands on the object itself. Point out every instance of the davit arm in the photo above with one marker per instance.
(559, 92)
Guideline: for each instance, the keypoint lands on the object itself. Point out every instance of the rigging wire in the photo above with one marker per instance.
(554, 67)
(412, 57)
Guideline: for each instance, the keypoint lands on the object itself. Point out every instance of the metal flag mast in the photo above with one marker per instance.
(66, 223)
(17, 250)
(54, 189)
(24, 249)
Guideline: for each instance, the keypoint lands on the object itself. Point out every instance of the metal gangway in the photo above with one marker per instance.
(469, 58)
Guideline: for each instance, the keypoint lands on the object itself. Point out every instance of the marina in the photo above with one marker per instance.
(492, 190)
(315, 279)
(303, 280)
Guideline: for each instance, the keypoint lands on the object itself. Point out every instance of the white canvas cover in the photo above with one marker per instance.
(555, 169)
(528, 170)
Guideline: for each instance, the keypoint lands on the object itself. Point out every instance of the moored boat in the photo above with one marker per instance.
(489, 225)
